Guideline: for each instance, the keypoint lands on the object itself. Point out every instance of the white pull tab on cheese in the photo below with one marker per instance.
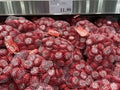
(60, 6)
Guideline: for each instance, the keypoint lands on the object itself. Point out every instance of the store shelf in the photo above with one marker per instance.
(41, 7)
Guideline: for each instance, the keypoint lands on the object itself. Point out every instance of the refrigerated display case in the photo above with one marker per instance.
(59, 44)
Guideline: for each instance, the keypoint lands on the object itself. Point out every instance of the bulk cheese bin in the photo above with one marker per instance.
(59, 44)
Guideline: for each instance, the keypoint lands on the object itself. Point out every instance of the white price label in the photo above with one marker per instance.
(60, 6)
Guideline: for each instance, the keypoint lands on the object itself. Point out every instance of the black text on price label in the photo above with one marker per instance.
(65, 9)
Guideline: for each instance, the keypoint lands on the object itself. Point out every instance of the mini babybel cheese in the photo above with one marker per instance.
(82, 32)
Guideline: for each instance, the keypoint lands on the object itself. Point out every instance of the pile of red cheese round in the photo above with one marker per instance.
(48, 54)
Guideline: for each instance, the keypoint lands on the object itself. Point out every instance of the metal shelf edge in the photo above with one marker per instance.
(41, 7)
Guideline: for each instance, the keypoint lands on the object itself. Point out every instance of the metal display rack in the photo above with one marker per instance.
(41, 7)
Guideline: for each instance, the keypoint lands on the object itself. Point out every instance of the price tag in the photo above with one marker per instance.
(60, 6)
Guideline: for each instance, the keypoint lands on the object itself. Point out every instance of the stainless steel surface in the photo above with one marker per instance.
(41, 7)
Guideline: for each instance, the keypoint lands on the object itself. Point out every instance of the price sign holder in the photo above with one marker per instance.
(60, 6)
